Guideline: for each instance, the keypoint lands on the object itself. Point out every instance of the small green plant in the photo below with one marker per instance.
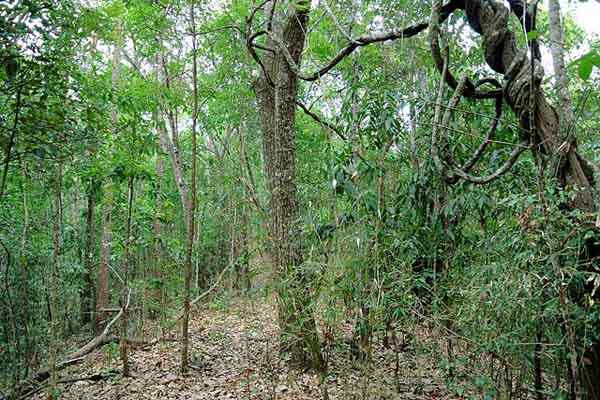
(111, 351)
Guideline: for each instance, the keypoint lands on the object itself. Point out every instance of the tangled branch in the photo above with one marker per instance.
(467, 89)
(463, 172)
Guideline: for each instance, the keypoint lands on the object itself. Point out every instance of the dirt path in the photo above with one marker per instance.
(234, 355)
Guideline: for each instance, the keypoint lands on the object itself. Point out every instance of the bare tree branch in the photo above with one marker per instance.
(318, 119)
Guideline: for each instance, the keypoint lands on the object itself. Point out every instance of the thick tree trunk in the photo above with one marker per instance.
(276, 95)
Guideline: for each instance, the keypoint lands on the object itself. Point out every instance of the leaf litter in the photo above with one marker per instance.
(234, 355)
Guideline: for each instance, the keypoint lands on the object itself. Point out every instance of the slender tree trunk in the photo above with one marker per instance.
(88, 287)
(192, 207)
(102, 279)
(125, 290)
(558, 62)
(170, 146)
(157, 227)
(54, 283)
(565, 121)
(243, 272)
(26, 276)
(106, 235)
(11, 141)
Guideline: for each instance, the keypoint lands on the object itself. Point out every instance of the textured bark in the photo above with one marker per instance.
(565, 121)
(276, 95)
(558, 61)
(526, 98)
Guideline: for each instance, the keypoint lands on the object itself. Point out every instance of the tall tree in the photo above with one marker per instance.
(55, 282)
(125, 295)
(87, 301)
(157, 225)
(88, 256)
(276, 93)
(107, 205)
(192, 203)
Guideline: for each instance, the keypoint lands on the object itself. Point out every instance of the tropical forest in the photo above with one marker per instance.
(300, 199)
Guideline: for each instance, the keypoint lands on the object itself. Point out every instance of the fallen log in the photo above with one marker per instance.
(31, 384)
(93, 378)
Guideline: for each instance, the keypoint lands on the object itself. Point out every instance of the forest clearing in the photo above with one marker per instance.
(300, 199)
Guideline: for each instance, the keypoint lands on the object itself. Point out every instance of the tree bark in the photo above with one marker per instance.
(171, 147)
(276, 96)
(102, 279)
(558, 61)
(526, 98)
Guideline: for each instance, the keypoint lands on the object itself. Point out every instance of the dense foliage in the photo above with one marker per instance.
(97, 100)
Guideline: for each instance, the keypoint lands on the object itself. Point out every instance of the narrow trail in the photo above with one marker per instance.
(234, 356)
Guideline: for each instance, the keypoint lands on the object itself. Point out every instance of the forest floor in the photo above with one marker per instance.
(234, 356)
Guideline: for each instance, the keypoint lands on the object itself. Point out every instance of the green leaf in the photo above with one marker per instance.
(585, 68)
(532, 35)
